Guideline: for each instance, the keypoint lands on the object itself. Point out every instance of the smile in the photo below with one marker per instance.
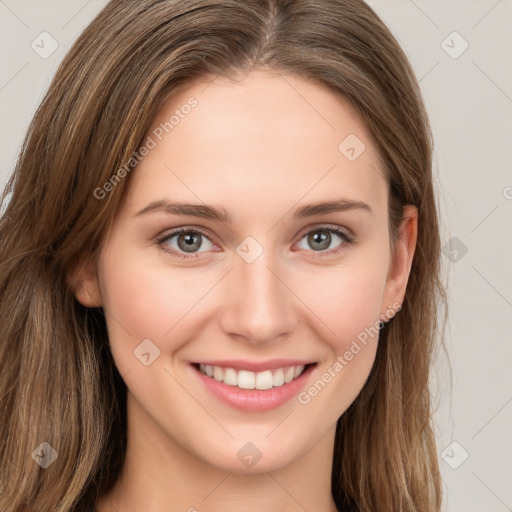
(245, 379)
(255, 387)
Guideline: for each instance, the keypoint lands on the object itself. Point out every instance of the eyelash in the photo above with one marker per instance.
(161, 241)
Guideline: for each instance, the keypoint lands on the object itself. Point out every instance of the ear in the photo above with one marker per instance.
(400, 265)
(83, 281)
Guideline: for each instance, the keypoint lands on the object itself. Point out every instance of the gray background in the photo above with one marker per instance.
(469, 99)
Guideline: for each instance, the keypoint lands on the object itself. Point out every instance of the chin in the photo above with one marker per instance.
(253, 454)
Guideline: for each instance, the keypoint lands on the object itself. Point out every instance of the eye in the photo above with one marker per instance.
(321, 238)
(184, 241)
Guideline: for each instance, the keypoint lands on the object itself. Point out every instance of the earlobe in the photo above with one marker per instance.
(400, 266)
(83, 281)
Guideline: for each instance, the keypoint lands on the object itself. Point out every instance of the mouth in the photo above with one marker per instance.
(246, 379)
(254, 387)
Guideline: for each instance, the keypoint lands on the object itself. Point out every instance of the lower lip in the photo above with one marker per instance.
(255, 400)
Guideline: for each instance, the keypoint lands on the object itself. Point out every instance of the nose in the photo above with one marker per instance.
(258, 304)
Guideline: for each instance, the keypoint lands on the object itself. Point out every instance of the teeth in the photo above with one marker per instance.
(246, 380)
(252, 380)
(298, 371)
(230, 377)
(264, 380)
(218, 373)
(288, 374)
(278, 378)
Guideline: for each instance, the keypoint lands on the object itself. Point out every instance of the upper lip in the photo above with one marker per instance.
(252, 366)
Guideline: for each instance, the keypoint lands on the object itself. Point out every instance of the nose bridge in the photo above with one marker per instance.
(258, 305)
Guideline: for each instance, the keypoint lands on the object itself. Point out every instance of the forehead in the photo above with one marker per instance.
(265, 139)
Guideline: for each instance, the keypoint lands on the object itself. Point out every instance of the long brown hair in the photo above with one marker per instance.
(58, 382)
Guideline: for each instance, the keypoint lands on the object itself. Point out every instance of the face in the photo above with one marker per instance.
(248, 323)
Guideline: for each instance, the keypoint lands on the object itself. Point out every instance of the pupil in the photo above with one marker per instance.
(190, 241)
(323, 238)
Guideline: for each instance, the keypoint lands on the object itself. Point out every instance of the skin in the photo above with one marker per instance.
(266, 145)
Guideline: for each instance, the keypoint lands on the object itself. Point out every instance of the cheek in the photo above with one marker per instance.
(352, 312)
(347, 304)
(346, 300)
(139, 303)
(137, 300)
(357, 306)
(145, 299)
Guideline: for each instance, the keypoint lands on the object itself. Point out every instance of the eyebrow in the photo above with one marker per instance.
(221, 214)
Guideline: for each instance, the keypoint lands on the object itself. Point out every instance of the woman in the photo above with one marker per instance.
(172, 338)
